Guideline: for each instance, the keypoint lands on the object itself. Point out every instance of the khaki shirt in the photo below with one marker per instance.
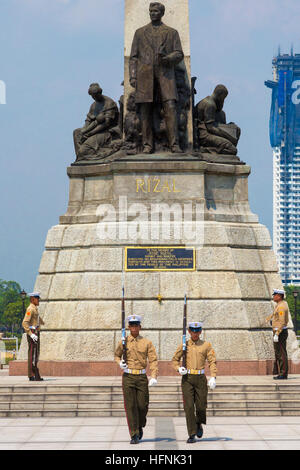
(32, 318)
(138, 350)
(197, 354)
(280, 317)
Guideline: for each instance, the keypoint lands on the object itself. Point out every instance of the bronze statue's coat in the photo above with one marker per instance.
(143, 61)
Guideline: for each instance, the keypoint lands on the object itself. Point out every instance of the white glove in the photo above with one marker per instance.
(276, 339)
(212, 383)
(182, 371)
(34, 337)
(152, 382)
(123, 365)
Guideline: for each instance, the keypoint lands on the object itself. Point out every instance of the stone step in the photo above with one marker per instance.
(215, 396)
(44, 397)
(152, 413)
(117, 396)
(100, 405)
(158, 389)
(67, 388)
(279, 395)
(41, 399)
(215, 405)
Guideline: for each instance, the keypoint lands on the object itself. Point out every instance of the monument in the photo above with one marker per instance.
(158, 202)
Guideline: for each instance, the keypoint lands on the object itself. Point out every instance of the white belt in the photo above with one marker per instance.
(135, 371)
(196, 372)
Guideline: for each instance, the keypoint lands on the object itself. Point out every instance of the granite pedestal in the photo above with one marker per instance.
(81, 271)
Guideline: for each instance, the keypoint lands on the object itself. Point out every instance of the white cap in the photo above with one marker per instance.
(278, 291)
(195, 325)
(34, 294)
(134, 318)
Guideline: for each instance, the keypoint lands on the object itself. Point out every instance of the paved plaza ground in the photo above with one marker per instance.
(282, 433)
(221, 433)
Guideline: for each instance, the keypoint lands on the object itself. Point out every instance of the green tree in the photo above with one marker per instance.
(9, 293)
(291, 302)
(13, 314)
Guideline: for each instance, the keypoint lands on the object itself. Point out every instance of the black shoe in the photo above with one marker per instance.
(200, 431)
(191, 439)
(280, 377)
(32, 379)
(141, 433)
(39, 379)
(135, 439)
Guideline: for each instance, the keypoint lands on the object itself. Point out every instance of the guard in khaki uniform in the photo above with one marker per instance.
(194, 382)
(135, 382)
(31, 325)
(279, 320)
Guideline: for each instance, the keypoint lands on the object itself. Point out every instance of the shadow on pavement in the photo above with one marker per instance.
(215, 439)
(158, 439)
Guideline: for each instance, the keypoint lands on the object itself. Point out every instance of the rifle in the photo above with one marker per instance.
(123, 326)
(184, 333)
(194, 111)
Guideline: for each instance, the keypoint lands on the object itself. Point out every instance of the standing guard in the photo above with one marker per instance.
(279, 321)
(134, 381)
(194, 382)
(31, 325)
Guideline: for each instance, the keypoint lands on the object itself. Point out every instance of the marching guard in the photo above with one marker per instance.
(134, 380)
(31, 325)
(194, 382)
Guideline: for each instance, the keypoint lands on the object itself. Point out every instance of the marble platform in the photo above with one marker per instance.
(81, 271)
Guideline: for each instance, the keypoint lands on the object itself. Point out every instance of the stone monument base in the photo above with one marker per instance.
(112, 207)
(110, 368)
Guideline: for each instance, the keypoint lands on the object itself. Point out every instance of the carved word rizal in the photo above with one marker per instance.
(155, 185)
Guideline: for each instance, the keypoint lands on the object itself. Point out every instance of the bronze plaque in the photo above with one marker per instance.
(160, 258)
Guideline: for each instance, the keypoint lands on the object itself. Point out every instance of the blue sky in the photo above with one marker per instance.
(51, 50)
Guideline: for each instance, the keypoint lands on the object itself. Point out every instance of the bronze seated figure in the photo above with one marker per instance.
(214, 135)
(100, 136)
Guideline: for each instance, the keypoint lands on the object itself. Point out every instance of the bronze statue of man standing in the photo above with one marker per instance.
(156, 50)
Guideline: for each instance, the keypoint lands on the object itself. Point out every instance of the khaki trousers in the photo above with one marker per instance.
(281, 356)
(195, 391)
(136, 401)
(33, 357)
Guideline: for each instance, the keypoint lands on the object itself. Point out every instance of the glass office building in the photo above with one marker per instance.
(285, 141)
